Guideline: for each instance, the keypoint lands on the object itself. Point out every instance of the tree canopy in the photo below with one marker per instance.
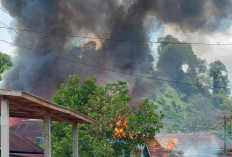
(196, 94)
(190, 101)
(118, 129)
(218, 72)
(178, 62)
(5, 63)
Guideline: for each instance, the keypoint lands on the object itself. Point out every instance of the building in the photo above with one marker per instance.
(25, 105)
(22, 147)
(168, 149)
(31, 129)
(199, 144)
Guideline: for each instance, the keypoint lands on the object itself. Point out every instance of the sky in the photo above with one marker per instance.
(6, 34)
(223, 35)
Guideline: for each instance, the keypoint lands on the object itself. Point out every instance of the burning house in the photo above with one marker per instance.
(168, 149)
(200, 144)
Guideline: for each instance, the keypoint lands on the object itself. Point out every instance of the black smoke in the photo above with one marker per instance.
(39, 72)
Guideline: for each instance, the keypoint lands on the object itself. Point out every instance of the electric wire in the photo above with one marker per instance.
(128, 80)
(170, 81)
(117, 40)
(110, 77)
(113, 70)
(120, 40)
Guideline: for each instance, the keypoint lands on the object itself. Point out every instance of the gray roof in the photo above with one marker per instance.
(194, 141)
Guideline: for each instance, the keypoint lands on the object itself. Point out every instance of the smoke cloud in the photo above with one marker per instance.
(39, 72)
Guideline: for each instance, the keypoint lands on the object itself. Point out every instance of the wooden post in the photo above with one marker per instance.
(75, 140)
(5, 128)
(47, 135)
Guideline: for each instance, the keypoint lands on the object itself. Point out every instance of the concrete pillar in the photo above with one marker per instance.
(75, 140)
(47, 135)
(5, 128)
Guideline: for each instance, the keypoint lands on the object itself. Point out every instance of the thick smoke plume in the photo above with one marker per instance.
(39, 72)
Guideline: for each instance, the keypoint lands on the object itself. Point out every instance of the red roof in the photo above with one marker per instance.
(31, 129)
(19, 144)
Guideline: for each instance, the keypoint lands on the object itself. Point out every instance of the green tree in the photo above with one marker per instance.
(5, 63)
(185, 113)
(178, 62)
(218, 73)
(177, 111)
(108, 106)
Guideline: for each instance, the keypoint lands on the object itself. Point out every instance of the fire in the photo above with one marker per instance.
(119, 130)
(156, 145)
(171, 144)
(161, 149)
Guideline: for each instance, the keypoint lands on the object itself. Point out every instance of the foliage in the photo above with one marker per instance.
(177, 111)
(5, 63)
(107, 105)
(222, 102)
(186, 107)
(218, 72)
(172, 60)
(198, 95)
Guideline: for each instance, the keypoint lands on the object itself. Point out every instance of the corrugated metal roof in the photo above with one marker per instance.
(31, 129)
(19, 143)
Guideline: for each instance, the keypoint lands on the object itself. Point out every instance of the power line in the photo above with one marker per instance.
(117, 40)
(113, 70)
(64, 50)
(4, 11)
(101, 64)
(110, 76)
(122, 40)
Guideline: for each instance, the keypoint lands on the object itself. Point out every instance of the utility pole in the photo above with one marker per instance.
(225, 152)
(225, 131)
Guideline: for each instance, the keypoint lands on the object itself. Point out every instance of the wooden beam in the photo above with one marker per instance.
(37, 104)
(26, 115)
(63, 119)
(58, 108)
(26, 106)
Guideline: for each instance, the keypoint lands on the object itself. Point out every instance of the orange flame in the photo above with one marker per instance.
(119, 130)
(171, 144)
(155, 145)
